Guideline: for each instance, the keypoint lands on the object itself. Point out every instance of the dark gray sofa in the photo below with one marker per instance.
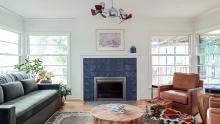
(23, 102)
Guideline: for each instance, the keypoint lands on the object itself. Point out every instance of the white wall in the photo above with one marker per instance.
(138, 32)
(207, 21)
(10, 20)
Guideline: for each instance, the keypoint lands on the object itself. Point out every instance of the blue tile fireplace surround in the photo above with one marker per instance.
(110, 67)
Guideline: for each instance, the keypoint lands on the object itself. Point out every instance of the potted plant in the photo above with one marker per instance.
(30, 67)
(44, 76)
(35, 68)
(64, 91)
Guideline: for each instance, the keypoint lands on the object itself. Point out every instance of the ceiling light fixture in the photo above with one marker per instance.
(112, 12)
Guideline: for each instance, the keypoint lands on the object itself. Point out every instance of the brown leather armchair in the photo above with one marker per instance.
(213, 113)
(182, 92)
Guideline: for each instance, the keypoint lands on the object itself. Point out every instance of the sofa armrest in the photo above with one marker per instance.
(7, 114)
(48, 86)
(164, 88)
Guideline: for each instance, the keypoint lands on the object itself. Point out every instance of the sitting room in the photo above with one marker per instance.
(110, 62)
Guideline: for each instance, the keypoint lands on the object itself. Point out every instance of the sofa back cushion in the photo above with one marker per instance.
(1, 95)
(185, 81)
(20, 76)
(29, 85)
(9, 77)
(2, 79)
(12, 90)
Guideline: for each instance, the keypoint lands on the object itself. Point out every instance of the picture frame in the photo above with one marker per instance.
(110, 40)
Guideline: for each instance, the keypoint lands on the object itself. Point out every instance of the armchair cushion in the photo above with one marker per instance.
(175, 95)
(184, 81)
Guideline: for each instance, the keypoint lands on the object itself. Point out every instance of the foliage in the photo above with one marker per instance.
(45, 75)
(64, 90)
(30, 67)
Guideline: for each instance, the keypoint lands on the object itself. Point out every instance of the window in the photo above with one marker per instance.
(53, 51)
(169, 54)
(209, 59)
(9, 51)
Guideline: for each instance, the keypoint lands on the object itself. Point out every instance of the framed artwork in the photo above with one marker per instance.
(110, 39)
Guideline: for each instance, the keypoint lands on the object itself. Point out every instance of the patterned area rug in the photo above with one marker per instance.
(70, 118)
(79, 118)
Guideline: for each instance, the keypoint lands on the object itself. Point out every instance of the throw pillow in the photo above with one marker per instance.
(29, 85)
(12, 90)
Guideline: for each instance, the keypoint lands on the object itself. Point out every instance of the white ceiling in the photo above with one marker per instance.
(76, 8)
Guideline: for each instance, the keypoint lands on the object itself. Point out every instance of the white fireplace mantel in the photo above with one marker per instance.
(133, 55)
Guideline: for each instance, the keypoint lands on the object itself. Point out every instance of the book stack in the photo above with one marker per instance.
(116, 108)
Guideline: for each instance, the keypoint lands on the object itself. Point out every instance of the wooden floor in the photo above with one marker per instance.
(81, 106)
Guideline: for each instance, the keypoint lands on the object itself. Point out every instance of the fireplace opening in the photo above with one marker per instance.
(109, 88)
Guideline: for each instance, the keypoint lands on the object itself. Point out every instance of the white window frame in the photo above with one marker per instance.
(190, 54)
(19, 55)
(206, 84)
(68, 34)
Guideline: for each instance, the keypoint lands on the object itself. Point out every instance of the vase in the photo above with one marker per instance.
(133, 49)
(62, 100)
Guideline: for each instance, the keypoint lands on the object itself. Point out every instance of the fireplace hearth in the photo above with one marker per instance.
(109, 88)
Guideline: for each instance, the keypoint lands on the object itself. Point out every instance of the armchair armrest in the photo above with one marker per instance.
(213, 116)
(200, 83)
(48, 86)
(192, 93)
(7, 114)
(214, 102)
(164, 88)
(194, 90)
(192, 99)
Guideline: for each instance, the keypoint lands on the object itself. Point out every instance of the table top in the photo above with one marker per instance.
(132, 113)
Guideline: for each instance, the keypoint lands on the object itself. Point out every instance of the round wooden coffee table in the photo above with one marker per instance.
(102, 115)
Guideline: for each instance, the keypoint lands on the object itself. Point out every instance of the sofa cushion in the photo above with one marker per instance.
(9, 77)
(12, 90)
(23, 74)
(179, 96)
(29, 85)
(18, 76)
(1, 95)
(28, 105)
(184, 81)
(2, 79)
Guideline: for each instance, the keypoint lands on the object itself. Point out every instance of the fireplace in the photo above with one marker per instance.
(117, 68)
(110, 88)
